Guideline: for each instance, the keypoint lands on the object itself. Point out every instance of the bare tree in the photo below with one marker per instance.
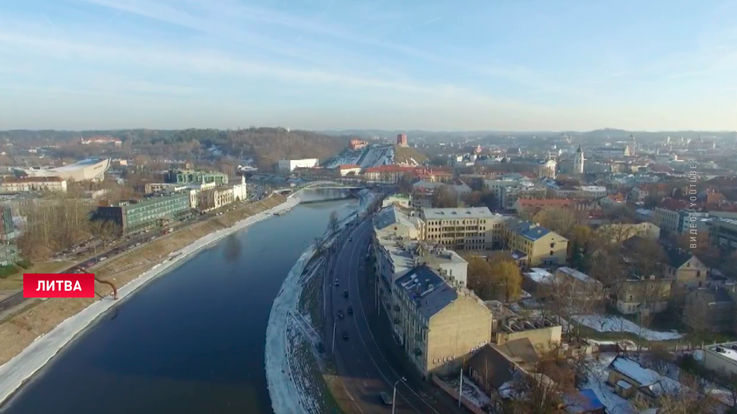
(567, 296)
(506, 279)
(549, 388)
(444, 196)
(559, 220)
(105, 230)
(333, 223)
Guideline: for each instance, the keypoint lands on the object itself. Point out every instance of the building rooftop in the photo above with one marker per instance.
(526, 229)
(391, 215)
(714, 294)
(79, 164)
(427, 289)
(538, 275)
(583, 277)
(677, 257)
(460, 213)
(728, 350)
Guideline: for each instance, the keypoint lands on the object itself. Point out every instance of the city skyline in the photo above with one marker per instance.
(522, 66)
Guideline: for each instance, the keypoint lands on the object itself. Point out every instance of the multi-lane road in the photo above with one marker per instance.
(370, 361)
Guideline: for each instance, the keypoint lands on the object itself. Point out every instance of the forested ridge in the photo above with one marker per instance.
(265, 145)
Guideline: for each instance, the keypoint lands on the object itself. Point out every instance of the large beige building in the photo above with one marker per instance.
(438, 326)
(539, 245)
(472, 228)
(28, 184)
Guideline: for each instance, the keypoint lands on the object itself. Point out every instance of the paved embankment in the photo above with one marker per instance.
(35, 352)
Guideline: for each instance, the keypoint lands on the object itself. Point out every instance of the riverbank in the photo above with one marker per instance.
(292, 366)
(37, 347)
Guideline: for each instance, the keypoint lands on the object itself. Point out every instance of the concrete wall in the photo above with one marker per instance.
(455, 332)
(540, 338)
(719, 363)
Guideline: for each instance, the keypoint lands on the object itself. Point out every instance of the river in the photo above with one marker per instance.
(191, 341)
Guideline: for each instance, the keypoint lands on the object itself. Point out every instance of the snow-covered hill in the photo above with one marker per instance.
(371, 156)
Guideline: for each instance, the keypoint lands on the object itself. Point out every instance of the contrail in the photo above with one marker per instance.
(53, 26)
(431, 21)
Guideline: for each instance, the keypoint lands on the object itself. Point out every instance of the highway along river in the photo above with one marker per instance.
(191, 341)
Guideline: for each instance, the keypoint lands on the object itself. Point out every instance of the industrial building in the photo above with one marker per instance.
(133, 216)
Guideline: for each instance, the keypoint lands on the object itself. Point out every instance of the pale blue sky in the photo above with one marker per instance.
(320, 64)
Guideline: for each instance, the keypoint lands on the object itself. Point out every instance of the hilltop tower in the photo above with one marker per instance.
(402, 140)
(578, 161)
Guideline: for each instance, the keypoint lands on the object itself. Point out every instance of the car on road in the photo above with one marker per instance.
(350, 239)
(345, 335)
(385, 398)
(350, 310)
(337, 283)
(340, 314)
(345, 293)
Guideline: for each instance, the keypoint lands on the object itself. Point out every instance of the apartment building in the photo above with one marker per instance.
(397, 199)
(723, 234)
(27, 184)
(472, 228)
(684, 268)
(391, 221)
(387, 173)
(643, 294)
(667, 215)
(438, 326)
(214, 198)
(539, 245)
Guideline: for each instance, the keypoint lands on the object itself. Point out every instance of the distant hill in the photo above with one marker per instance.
(408, 155)
(265, 145)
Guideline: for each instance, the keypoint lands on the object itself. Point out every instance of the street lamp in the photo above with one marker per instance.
(394, 395)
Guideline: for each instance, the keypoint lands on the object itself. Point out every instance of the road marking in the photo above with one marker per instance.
(358, 287)
(374, 339)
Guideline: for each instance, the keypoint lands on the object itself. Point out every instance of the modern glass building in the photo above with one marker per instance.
(196, 177)
(133, 216)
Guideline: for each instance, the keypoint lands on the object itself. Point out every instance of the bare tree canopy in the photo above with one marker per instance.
(559, 220)
(444, 197)
(333, 223)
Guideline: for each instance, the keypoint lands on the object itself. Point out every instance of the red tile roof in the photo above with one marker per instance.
(544, 202)
(349, 166)
(673, 204)
(389, 169)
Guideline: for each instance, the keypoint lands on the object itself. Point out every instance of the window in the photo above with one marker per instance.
(552, 245)
(698, 273)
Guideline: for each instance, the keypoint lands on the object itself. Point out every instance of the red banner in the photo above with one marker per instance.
(58, 285)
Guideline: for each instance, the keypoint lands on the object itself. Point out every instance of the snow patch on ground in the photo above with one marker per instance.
(610, 323)
(285, 397)
(21, 367)
(289, 387)
(597, 377)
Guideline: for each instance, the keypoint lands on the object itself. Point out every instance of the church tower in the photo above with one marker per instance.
(578, 161)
